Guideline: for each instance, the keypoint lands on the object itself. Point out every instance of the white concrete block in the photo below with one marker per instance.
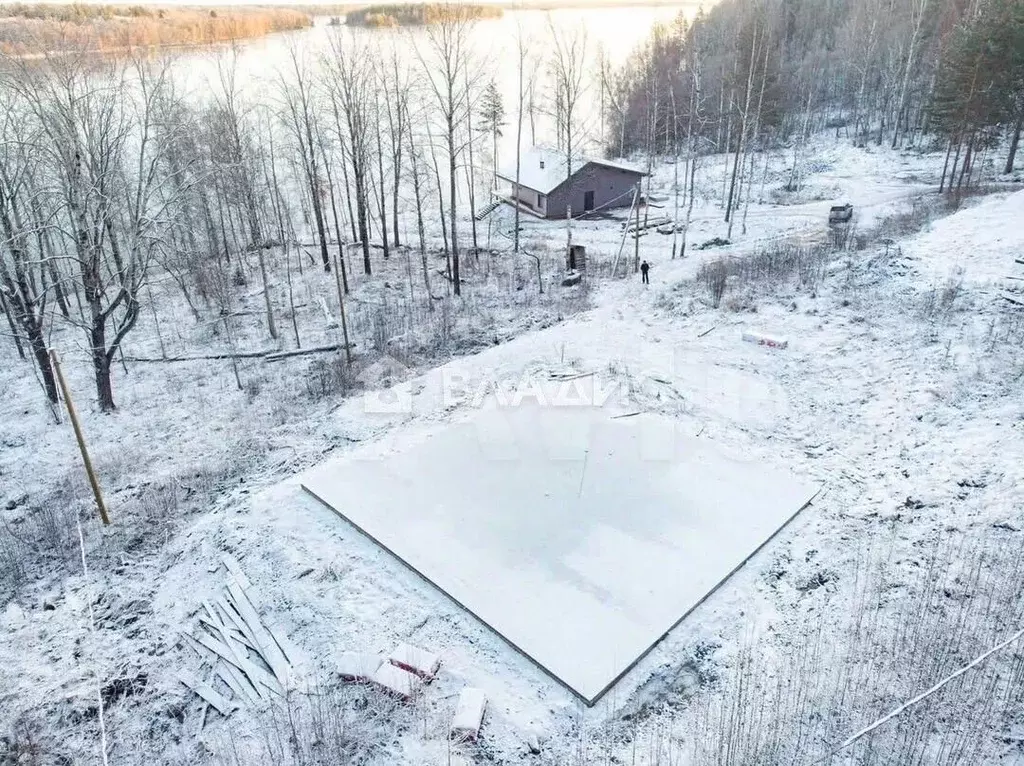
(401, 683)
(469, 714)
(761, 339)
(358, 666)
(415, 660)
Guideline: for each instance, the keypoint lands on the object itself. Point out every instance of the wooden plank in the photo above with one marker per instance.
(236, 571)
(234, 633)
(1011, 299)
(241, 655)
(232, 618)
(238, 683)
(256, 674)
(569, 375)
(208, 694)
(265, 643)
(287, 648)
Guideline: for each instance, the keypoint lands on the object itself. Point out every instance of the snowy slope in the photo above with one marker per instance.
(980, 243)
(912, 421)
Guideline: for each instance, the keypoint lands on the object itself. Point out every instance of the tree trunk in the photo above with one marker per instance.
(420, 228)
(101, 364)
(382, 191)
(10, 323)
(452, 202)
(1014, 143)
(945, 166)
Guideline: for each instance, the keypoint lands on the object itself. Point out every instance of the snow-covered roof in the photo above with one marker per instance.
(543, 169)
(619, 166)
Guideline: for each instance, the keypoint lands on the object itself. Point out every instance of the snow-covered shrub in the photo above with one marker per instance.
(774, 266)
(39, 540)
(328, 725)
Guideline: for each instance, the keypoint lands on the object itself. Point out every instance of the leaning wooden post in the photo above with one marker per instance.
(80, 437)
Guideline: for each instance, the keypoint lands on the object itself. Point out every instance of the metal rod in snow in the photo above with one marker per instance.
(885, 719)
(583, 473)
(92, 629)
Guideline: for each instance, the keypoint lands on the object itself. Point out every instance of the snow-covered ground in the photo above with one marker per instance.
(899, 394)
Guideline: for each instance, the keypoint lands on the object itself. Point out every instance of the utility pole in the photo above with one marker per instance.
(636, 234)
(80, 437)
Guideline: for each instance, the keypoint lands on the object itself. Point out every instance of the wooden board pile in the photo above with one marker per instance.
(243, 661)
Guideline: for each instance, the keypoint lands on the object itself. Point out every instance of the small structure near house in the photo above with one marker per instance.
(547, 190)
(840, 213)
(576, 260)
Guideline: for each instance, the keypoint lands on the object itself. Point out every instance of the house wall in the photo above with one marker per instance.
(530, 198)
(612, 188)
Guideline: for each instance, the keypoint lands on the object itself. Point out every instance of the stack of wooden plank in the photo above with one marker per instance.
(243, 661)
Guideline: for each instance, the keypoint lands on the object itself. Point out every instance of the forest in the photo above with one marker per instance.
(33, 29)
(747, 76)
(399, 15)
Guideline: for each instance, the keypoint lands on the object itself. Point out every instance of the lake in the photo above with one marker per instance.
(615, 31)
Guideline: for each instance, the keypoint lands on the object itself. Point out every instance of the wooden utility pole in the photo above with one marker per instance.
(636, 234)
(80, 437)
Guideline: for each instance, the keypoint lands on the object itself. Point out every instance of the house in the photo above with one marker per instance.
(544, 189)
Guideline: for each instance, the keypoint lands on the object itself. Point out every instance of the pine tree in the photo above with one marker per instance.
(492, 119)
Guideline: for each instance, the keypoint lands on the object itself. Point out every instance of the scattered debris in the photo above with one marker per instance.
(469, 715)
(716, 242)
(244, 660)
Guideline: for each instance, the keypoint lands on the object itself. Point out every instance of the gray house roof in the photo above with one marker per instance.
(543, 169)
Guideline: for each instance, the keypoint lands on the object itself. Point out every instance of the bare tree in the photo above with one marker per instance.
(446, 69)
(100, 121)
(23, 273)
(239, 168)
(568, 67)
(349, 85)
(297, 92)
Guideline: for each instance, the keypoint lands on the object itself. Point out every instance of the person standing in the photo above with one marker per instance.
(644, 268)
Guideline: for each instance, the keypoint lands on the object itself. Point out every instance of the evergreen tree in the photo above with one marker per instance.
(492, 119)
